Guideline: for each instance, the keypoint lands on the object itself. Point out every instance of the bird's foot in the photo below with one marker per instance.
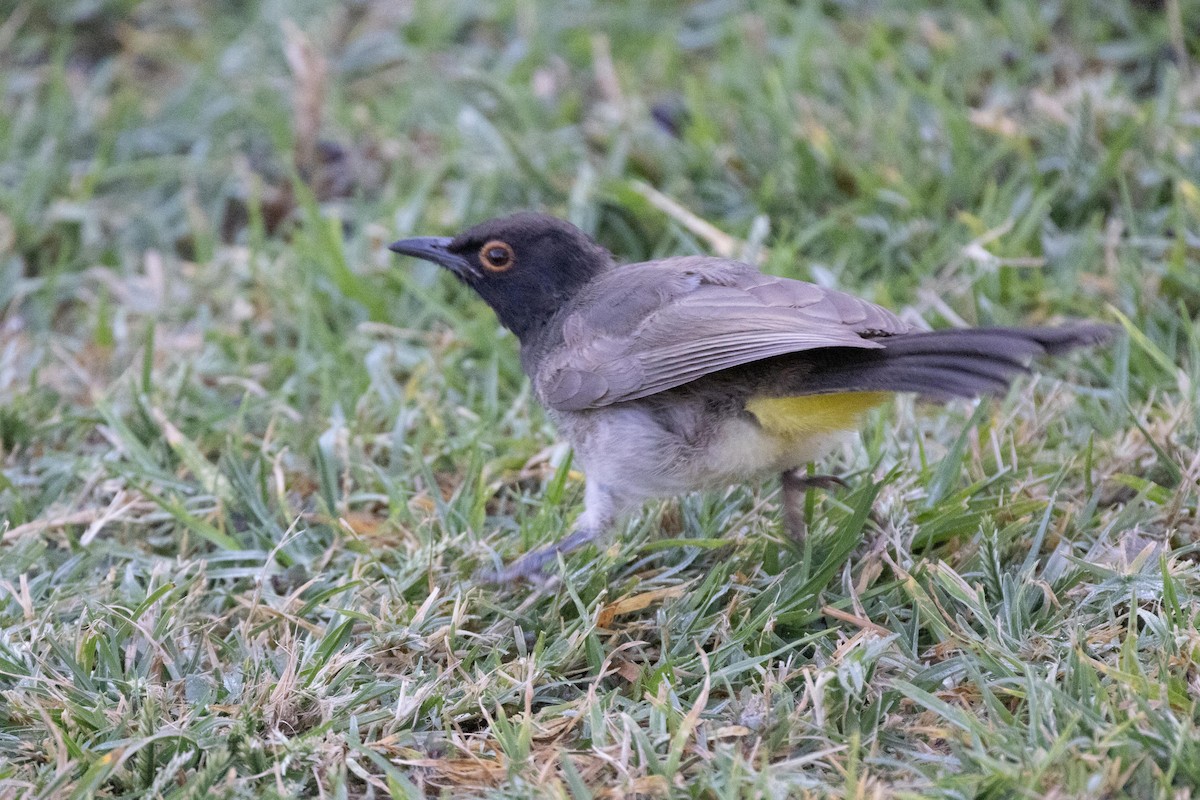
(794, 481)
(795, 484)
(532, 567)
(535, 566)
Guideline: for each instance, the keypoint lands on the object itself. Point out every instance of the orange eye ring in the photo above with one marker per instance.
(497, 256)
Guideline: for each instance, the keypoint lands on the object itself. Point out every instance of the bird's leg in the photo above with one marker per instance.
(795, 485)
(600, 512)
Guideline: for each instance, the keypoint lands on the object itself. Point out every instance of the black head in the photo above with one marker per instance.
(524, 266)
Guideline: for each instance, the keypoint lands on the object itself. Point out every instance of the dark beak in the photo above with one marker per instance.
(437, 250)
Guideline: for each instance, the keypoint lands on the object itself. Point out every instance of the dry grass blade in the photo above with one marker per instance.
(310, 73)
(722, 244)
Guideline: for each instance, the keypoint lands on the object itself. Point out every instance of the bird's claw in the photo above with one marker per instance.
(535, 567)
(794, 481)
(532, 567)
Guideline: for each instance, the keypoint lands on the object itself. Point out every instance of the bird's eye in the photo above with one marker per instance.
(497, 256)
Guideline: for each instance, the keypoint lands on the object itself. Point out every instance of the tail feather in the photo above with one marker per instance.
(949, 363)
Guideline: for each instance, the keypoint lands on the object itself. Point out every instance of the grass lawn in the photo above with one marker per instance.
(251, 463)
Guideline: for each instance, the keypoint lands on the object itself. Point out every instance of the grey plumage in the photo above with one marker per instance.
(641, 329)
(637, 330)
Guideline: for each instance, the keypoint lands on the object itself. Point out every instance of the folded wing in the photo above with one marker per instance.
(646, 328)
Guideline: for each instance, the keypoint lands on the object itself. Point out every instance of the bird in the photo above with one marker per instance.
(694, 373)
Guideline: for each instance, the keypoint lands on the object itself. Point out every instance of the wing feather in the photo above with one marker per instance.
(646, 328)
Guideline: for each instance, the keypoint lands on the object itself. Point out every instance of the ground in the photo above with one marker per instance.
(253, 464)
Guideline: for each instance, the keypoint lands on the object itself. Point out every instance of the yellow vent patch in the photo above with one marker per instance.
(795, 417)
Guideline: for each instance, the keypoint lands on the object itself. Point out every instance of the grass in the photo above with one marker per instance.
(251, 463)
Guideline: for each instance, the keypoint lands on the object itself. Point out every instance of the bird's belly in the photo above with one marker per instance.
(644, 454)
(745, 449)
(787, 432)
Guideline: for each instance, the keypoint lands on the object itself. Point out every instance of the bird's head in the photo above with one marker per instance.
(524, 266)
